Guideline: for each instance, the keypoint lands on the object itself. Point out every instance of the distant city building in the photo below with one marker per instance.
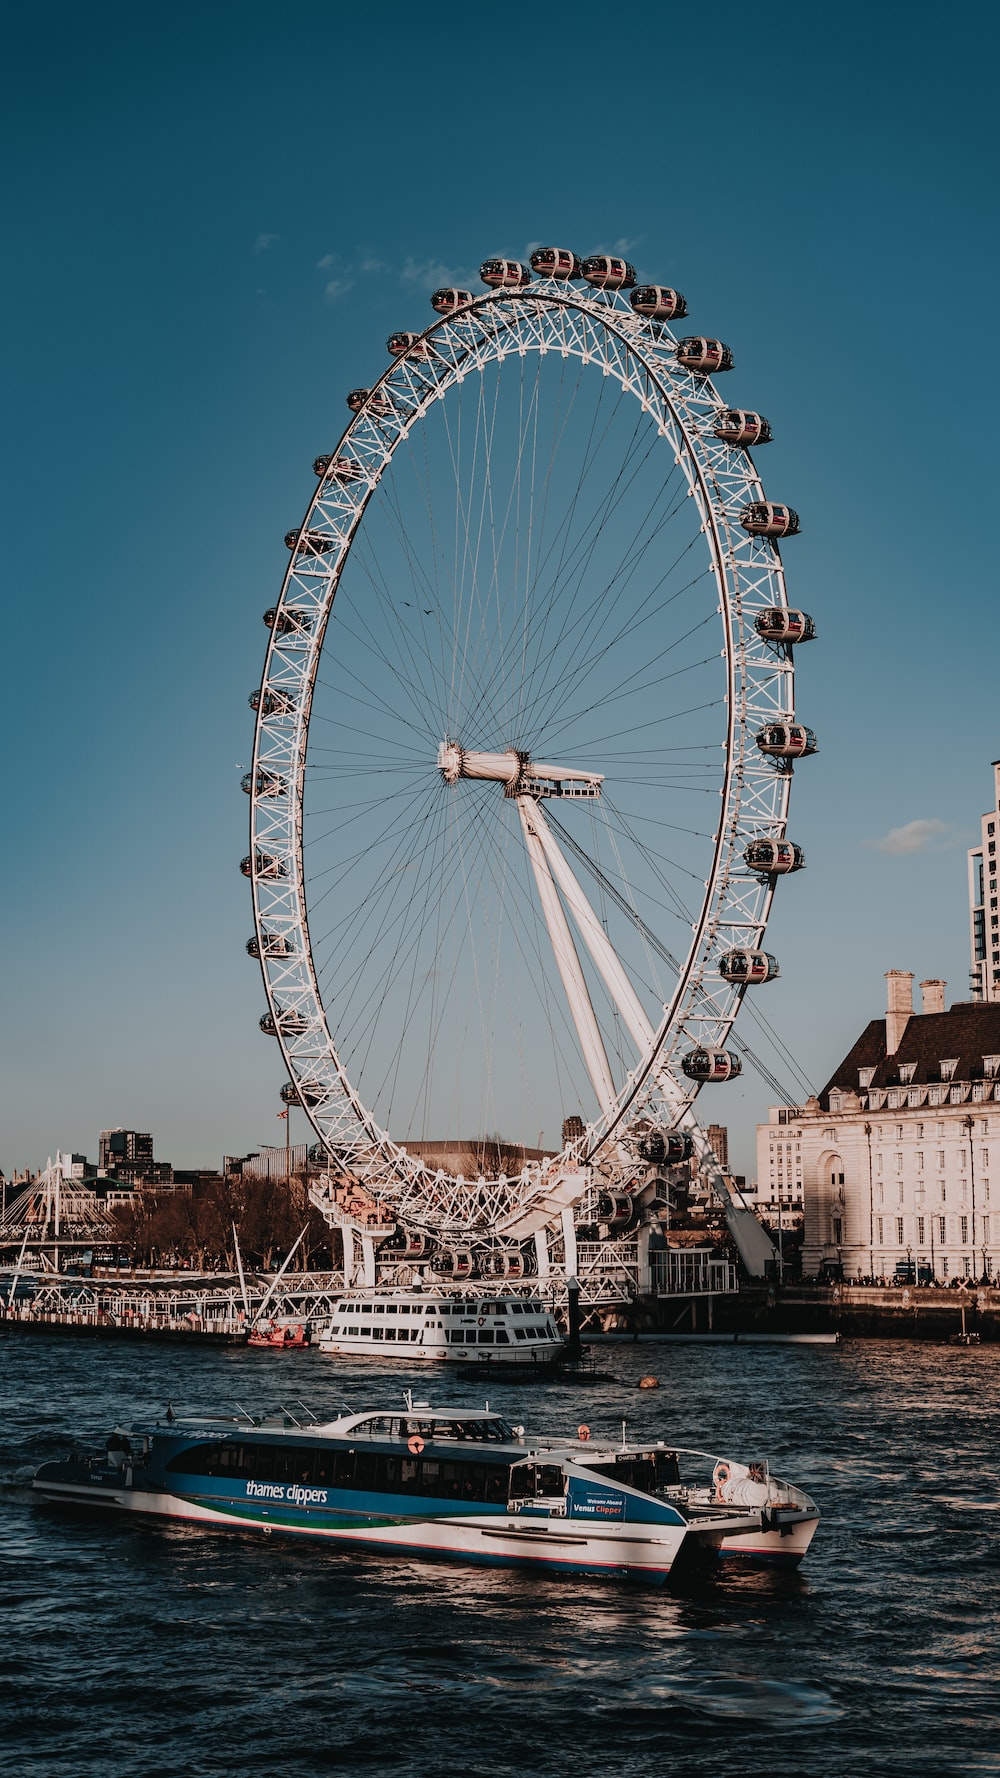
(984, 915)
(127, 1156)
(895, 1153)
(718, 1136)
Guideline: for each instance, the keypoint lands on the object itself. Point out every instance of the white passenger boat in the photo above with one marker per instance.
(442, 1324)
(445, 1482)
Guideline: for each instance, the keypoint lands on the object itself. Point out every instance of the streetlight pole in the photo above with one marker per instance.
(871, 1206)
(970, 1124)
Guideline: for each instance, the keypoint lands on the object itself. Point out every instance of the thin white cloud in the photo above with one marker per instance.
(927, 835)
(263, 242)
(430, 273)
(336, 287)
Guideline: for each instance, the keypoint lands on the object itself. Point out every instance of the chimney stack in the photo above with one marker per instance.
(932, 994)
(899, 1007)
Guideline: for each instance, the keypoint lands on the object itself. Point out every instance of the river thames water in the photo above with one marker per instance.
(171, 1652)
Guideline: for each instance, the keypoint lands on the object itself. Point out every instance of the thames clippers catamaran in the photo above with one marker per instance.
(452, 1482)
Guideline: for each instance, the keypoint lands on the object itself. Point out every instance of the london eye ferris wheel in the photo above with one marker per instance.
(524, 743)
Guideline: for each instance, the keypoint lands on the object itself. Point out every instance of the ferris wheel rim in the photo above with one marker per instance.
(545, 298)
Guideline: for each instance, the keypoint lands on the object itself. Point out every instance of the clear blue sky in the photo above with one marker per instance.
(216, 216)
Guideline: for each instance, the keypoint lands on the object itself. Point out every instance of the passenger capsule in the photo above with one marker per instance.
(505, 274)
(263, 864)
(379, 405)
(765, 518)
(308, 1092)
(268, 1025)
(607, 272)
(752, 967)
(290, 619)
(665, 1148)
(711, 1065)
(555, 262)
(739, 426)
(616, 1209)
(454, 1262)
(263, 784)
(778, 624)
(270, 944)
(787, 740)
(412, 344)
(271, 703)
(340, 469)
(774, 858)
(290, 1024)
(445, 302)
(658, 302)
(407, 1245)
(504, 1265)
(310, 543)
(704, 356)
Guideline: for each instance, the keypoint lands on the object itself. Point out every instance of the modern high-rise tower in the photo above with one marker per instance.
(984, 916)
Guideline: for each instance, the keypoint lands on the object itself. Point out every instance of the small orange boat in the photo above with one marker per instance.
(280, 1339)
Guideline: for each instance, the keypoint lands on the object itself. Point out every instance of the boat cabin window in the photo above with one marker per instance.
(654, 1469)
(535, 1481)
(378, 1472)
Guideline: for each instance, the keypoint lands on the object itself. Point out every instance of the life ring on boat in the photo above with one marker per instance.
(720, 1476)
(583, 1434)
(415, 1444)
(482, 1321)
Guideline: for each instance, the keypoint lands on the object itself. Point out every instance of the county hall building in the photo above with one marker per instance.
(894, 1156)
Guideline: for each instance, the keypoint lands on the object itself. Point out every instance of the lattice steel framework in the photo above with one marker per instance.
(599, 329)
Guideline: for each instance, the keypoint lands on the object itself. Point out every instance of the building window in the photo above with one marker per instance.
(948, 1068)
(944, 1265)
(899, 1192)
(984, 1157)
(878, 1163)
(965, 1231)
(920, 1231)
(838, 1230)
(865, 1076)
(881, 1193)
(879, 1228)
(942, 1229)
(899, 1163)
(940, 1160)
(920, 1160)
(899, 1230)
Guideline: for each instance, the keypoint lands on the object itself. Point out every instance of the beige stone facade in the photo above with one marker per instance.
(899, 1156)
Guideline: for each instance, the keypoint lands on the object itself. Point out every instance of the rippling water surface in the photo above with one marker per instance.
(162, 1650)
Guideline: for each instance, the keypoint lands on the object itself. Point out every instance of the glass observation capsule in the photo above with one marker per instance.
(711, 1065)
(340, 469)
(270, 703)
(412, 343)
(779, 624)
(263, 784)
(263, 864)
(504, 1265)
(607, 272)
(308, 1092)
(555, 262)
(704, 355)
(752, 967)
(505, 274)
(268, 1025)
(291, 620)
(658, 302)
(270, 944)
(455, 1262)
(740, 426)
(774, 858)
(310, 543)
(786, 740)
(767, 518)
(665, 1148)
(376, 403)
(615, 1208)
(446, 301)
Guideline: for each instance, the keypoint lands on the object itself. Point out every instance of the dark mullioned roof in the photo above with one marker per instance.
(965, 1034)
